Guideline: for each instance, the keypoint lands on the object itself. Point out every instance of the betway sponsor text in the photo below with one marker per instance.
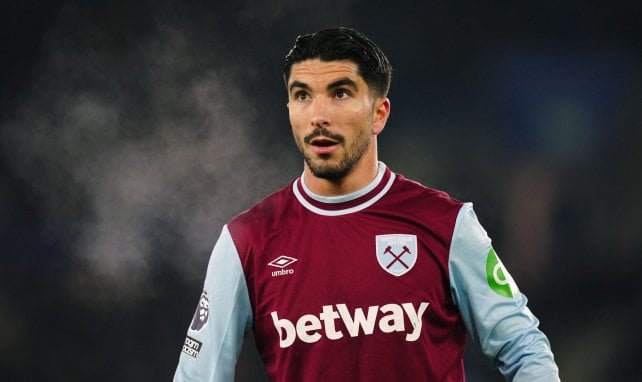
(388, 318)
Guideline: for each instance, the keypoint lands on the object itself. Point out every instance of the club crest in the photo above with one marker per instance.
(397, 253)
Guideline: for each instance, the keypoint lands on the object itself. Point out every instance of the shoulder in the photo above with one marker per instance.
(407, 190)
(434, 210)
(265, 214)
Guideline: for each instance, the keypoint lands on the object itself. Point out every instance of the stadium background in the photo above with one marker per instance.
(131, 131)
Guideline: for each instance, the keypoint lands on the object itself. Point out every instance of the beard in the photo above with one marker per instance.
(323, 167)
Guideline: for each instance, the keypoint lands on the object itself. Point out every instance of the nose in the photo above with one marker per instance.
(320, 113)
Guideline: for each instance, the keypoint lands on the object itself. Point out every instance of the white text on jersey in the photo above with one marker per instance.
(308, 327)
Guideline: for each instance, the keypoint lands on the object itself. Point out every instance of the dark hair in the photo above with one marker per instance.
(343, 44)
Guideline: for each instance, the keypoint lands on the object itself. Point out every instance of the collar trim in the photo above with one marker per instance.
(345, 204)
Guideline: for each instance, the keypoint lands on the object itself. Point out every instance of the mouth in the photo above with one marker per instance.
(323, 146)
(323, 142)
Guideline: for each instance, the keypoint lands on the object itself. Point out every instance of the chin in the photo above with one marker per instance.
(328, 170)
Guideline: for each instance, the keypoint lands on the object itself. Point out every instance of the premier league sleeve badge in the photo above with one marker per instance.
(202, 313)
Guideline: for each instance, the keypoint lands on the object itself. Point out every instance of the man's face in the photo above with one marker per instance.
(332, 111)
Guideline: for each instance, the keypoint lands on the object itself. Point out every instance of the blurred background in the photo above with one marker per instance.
(130, 132)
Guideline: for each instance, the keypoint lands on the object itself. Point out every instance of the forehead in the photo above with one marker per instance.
(316, 70)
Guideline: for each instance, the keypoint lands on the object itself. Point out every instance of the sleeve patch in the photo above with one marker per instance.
(192, 347)
(499, 280)
(201, 316)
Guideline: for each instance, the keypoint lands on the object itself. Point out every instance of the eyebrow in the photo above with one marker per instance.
(342, 82)
(336, 84)
(299, 84)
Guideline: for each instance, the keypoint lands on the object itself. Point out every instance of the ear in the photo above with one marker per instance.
(380, 113)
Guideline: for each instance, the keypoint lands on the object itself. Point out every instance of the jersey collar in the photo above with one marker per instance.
(349, 203)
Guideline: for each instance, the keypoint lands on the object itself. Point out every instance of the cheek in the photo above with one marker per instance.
(297, 128)
(296, 116)
(296, 125)
(359, 120)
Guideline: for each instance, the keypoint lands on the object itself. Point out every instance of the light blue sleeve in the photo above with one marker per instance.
(493, 310)
(223, 317)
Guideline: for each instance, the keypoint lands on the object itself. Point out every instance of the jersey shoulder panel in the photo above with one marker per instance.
(253, 230)
(436, 209)
(428, 195)
(267, 216)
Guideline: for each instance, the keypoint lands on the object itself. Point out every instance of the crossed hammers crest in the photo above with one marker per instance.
(397, 257)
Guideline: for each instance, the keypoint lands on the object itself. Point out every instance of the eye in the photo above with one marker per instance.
(301, 96)
(342, 94)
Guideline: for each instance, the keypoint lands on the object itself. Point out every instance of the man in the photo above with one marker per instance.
(352, 272)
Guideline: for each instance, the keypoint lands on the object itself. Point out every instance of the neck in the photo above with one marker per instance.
(360, 176)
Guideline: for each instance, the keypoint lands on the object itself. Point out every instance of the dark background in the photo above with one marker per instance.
(130, 132)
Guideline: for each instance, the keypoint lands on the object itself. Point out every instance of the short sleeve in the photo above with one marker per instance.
(222, 318)
(493, 309)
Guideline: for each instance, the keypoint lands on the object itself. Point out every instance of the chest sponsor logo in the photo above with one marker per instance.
(396, 253)
(388, 318)
(282, 262)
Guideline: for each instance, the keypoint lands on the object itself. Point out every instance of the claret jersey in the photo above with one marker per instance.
(384, 284)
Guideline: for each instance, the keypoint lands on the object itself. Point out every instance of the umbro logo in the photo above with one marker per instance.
(281, 262)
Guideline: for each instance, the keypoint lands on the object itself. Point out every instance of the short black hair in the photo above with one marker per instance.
(343, 43)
